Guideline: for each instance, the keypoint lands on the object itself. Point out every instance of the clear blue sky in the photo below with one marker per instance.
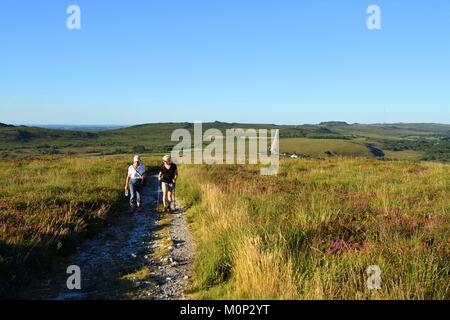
(271, 61)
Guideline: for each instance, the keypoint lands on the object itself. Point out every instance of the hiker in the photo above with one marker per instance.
(135, 181)
(168, 178)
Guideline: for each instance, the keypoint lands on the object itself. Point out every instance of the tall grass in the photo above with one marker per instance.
(48, 204)
(312, 231)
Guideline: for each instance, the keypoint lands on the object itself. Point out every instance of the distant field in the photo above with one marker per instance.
(312, 231)
(319, 147)
(403, 155)
(430, 140)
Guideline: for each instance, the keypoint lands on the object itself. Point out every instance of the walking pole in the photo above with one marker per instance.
(174, 197)
(157, 195)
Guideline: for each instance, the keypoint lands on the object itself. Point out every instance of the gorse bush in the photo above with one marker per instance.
(312, 231)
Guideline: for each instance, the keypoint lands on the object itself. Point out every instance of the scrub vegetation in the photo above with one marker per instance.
(308, 233)
(312, 231)
(50, 203)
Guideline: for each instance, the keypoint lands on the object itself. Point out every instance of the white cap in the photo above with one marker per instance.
(137, 158)
(167, 158)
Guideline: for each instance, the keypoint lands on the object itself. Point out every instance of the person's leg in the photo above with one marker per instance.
(139, 188)
(169, 197)
(173, 198)
(164, 190)
(172, 195)
(132, 196)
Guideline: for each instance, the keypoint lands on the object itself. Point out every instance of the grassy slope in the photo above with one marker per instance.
(156, 137)
(49, 203)
(403, 155)
(393, 131)
(57, 199)
(312, 231)
(317, 148)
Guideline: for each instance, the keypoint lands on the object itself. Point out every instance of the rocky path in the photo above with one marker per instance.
(147, 255)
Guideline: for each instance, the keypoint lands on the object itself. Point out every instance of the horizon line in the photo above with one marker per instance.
(218, 121)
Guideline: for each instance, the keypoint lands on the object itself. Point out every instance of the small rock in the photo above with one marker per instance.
(169, 279)
(170, 248)
(134, 255)
(186, 277)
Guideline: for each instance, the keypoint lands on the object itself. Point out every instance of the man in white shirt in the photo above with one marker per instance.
(134, 181)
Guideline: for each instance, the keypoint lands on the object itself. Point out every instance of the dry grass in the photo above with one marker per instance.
(312, 231)
(262, 274)
(48, 204)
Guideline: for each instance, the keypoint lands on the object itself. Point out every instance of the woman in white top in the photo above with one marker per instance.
(134, 181)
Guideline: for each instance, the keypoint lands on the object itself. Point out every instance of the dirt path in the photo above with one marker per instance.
(147, 255)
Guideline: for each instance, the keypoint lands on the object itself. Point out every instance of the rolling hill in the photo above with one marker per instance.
(427, 141)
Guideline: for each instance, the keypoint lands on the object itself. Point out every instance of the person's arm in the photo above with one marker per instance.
(175, 177)
(144, 173)
(127, 181)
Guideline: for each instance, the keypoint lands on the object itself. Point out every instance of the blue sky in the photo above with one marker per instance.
(269, 61)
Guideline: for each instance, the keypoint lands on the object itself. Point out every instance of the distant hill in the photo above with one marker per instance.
(394, 130)
(26, 134)
(88, 128)
(32, 140)
(156, 137)
(334, 123)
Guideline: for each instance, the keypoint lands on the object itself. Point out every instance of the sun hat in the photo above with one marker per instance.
(167, 158)
(137, 158)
